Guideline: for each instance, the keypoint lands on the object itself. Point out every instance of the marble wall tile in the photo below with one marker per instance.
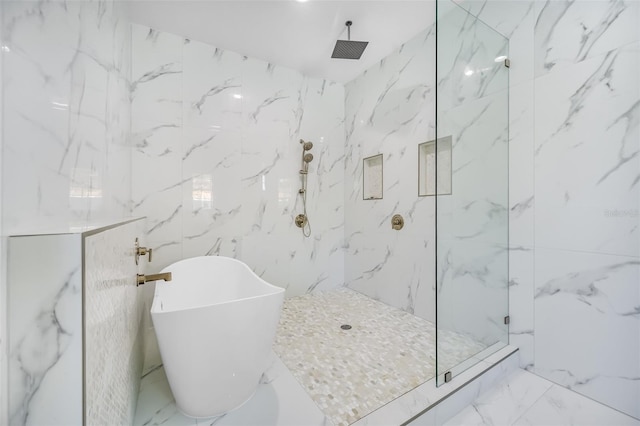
(466, 59)
(521, 165)
(75, 352)
(279, 108)
(45, 330)
(270, 149)
(156, 77)
(569, 32)
(586, 216)
(212, 87)
(156, 111)
(212, 148)
(473, 221)
(390, 110)
(66, 113)
(577, 108)
(66, 148)
(223, 137)
(514, 20)
(157, 192)
(586, 308)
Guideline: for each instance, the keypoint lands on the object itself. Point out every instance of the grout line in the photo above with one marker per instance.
(533, 207)
(600, 253)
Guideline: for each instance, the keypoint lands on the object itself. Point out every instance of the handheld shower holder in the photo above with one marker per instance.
(301, 220)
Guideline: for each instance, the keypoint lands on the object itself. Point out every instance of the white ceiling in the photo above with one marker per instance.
(299, 35)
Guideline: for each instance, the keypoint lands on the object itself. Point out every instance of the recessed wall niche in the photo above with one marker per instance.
(372, 178)
(427, 167)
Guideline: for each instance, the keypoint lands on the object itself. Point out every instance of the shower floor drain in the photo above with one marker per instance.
(345, 327)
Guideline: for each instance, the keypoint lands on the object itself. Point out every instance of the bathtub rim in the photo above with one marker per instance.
(276, 289)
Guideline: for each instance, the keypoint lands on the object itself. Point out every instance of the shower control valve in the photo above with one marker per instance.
(397, 222)
(142, 251)
(301, 220)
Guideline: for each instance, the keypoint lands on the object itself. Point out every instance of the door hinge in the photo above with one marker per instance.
(448, 376)
(507, 320)
(507, 63)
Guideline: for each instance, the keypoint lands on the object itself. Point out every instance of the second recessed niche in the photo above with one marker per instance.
(372, 178)
(427, 167)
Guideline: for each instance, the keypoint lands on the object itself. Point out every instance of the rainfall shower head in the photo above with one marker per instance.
(348, 49)
(308, 157)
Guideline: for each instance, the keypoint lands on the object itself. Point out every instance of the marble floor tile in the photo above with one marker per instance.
(524, 398)
(505, 402)
(560, 406)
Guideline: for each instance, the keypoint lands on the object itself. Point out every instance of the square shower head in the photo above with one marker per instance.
(348, 49)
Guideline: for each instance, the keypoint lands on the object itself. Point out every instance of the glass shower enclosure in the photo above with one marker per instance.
(472, 135)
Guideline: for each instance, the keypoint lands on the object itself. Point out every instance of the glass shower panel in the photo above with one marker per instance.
(472, 217)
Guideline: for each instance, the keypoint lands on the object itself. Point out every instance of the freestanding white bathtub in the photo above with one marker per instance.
(215, 322)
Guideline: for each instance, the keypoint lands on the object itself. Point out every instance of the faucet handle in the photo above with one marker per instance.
(146, 251)
(142, 251)
(397, 222)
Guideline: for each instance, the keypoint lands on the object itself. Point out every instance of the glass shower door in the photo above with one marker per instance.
(471, 155)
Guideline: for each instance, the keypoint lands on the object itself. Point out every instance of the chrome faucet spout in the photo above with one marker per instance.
(166, 276)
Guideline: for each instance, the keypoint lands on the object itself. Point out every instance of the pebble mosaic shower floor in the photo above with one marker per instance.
(350, 373)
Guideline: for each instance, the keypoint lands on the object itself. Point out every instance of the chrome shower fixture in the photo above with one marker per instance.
(308, 157)
(306, 145)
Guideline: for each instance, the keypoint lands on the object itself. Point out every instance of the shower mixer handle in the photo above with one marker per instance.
(397, 222)
(142, 251)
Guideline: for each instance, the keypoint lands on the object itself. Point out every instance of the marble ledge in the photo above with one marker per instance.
(69, 227)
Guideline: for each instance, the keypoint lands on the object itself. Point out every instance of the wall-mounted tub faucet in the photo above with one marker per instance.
(153, 277)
